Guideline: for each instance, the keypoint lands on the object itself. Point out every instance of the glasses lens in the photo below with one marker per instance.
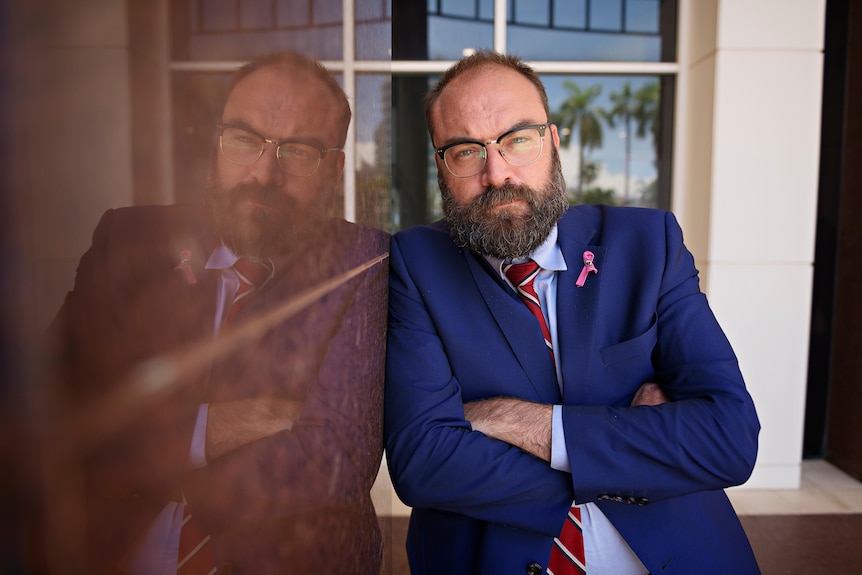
(465, 159)
(522, 146)
(298, 159)
(240, 146)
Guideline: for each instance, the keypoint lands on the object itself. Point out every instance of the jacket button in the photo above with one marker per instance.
(534, 569)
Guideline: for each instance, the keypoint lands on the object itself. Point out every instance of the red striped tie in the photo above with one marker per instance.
(567, 554)
(195, 556)
(522, 276)
(252, 275)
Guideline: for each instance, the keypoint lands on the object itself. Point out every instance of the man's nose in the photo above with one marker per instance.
(266, 169)
(497, 170)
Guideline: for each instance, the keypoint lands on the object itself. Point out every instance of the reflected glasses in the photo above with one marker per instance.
(518, 147)
(242, 146)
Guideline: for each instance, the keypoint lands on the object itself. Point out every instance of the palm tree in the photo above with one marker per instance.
(647, 112)
(642, 107)
(577, 111)
(624, 108)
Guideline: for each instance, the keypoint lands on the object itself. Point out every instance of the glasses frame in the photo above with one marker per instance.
(540, 127)
(278, 144)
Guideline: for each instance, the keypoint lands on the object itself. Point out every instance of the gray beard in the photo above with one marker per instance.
(506, 235)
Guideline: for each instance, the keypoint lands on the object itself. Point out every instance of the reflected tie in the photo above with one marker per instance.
(252, 276)
(195, 556)
(567, 554)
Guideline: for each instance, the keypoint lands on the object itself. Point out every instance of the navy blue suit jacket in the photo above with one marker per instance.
(458, 333)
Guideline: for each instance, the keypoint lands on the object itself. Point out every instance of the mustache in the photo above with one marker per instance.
(255, 192)
(494, 195)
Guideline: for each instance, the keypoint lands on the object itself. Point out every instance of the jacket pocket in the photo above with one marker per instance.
(632, 348)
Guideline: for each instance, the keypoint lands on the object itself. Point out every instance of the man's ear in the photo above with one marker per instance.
(339, 166)
(556, 136)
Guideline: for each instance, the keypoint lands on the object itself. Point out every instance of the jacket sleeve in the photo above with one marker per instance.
(435, 459)
(332, 361)
(705, 438)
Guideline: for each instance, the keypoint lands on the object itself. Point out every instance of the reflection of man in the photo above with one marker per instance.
(275, 447)
(606, 381)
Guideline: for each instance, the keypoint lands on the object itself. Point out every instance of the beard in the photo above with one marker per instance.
(506, 233)
(255, 220)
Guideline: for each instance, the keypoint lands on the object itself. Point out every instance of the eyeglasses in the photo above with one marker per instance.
(518, 147)
(242, 146)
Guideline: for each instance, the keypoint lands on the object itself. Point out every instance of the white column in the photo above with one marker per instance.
(746, 194)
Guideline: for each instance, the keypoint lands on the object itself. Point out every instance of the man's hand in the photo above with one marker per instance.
(232, 424)
(520, 423)
(649, 394)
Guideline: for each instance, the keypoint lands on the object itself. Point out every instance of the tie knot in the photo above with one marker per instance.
(521, 274)
(254, 273)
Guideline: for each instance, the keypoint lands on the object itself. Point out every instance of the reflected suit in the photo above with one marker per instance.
(280, 503)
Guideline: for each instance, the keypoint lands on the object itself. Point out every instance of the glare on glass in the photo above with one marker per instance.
(518, 147)
(243, 146)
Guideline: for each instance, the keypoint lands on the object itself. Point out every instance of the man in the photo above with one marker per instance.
(272, 445)
(614, 388)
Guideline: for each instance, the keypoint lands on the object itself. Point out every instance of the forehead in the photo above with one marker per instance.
(484, 103)
(283, 104)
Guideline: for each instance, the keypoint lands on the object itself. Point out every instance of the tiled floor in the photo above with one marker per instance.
(824, 489)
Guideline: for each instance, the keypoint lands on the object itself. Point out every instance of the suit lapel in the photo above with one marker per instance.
(577, 306)
(518, 326)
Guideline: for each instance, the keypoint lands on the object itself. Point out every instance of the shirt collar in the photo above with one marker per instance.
(549, 256)
(221, 258)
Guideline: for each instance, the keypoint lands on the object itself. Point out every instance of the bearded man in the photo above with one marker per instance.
(559, 396)
(271, 443)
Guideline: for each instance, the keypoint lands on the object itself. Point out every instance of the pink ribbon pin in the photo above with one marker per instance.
(185, 257)
(589, 267)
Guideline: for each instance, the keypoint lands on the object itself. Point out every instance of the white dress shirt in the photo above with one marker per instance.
(605, 550)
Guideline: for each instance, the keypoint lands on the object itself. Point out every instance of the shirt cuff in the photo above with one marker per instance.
(559, 454)
(198, 449)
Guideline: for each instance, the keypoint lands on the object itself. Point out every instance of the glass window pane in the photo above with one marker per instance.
(617, 127)
(218, 15)
(571, 14)
(373, 29)
(197, 101)
(257, 14)
(458, 9)
(535, 12)
(544, 44)
(451, 39)
(611, 130)
(642, 16)
(606, 15)
(373, 123)
(574, 30)
(238, 30)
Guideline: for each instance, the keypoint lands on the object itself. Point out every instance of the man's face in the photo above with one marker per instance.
(259, 209)
(505, 211)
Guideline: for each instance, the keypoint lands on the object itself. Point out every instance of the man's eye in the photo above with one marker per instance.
(464, 153)
(294, 152)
